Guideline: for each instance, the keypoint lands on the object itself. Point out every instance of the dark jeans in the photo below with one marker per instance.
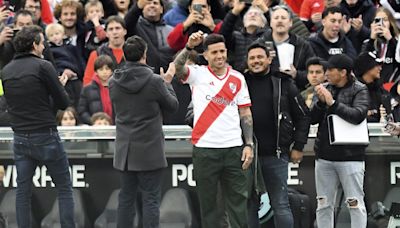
(275, 173)
(33, 149)
(221, 165)
(149, 184)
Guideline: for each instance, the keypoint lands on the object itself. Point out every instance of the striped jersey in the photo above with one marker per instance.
(216, 102)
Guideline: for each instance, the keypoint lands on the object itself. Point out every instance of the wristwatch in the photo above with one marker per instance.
(251, 145)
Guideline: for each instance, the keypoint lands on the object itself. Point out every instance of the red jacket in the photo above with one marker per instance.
(177, 39)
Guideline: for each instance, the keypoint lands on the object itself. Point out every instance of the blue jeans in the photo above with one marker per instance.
(31, 150)
(149, 184)
(350, 174)
(275, 173)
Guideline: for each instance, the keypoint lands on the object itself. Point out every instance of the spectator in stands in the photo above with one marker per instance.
(330, 40)
(33, 91)
(66, 60)
(22, 18)
(122, 7)
(95, 96)
(281, 22)
(357, 18)
(139, 97)
(367, 69)
(34, 6)
(219, 154)
(199, 19)
(116, 31)
(270, 89)
(255, 26)
(95, 24)
(344, 164)
(311, 14)
(180, 12)
(67, 117)
(101, 119)
(383, 40)
(70, 14)
(145, 20)
(116, 7)
(315, 75)
(298, 27)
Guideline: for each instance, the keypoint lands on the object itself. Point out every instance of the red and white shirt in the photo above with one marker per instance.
(216, 102)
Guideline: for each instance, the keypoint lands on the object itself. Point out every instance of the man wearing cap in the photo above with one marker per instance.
(348, 98)
(367, 69)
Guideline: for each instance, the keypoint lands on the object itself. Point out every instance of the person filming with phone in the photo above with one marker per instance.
(199, 18)
(383, 40)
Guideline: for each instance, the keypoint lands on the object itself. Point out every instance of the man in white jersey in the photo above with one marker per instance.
(223, 130)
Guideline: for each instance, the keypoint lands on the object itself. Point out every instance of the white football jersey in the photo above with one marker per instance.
(216, 102)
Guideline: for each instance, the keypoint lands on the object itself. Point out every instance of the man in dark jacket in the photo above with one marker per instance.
(145, 20)
(330, 40)
(367, 68)
(359, 16)
(34, 93)
(281, 22)
(277, 109)
(347, 98)
(139, 97)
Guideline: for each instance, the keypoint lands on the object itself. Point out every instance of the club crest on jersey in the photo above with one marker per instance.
(232, 87)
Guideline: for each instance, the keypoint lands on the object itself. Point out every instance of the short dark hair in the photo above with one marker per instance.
(23, 12)
(100, 116)
(23, 3)
(115, 18)
(331, 10)
(257, 44)
(190, 3)
(103, 60)
(134, 48)
(213, 39)
(316, 61)
(24, 39)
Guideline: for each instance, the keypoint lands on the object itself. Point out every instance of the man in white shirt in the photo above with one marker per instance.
(222, 115)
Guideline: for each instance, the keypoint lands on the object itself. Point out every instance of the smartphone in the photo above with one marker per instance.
(248, 2)
(378, 21)
(270, 47)
(198, 8)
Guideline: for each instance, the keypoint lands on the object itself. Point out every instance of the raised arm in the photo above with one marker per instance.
(180, 61)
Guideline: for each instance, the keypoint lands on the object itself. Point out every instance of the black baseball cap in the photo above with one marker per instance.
(341, 61)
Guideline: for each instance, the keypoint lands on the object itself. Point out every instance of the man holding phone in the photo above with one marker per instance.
(199, 18)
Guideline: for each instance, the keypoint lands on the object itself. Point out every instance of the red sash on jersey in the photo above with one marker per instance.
(229, 90)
